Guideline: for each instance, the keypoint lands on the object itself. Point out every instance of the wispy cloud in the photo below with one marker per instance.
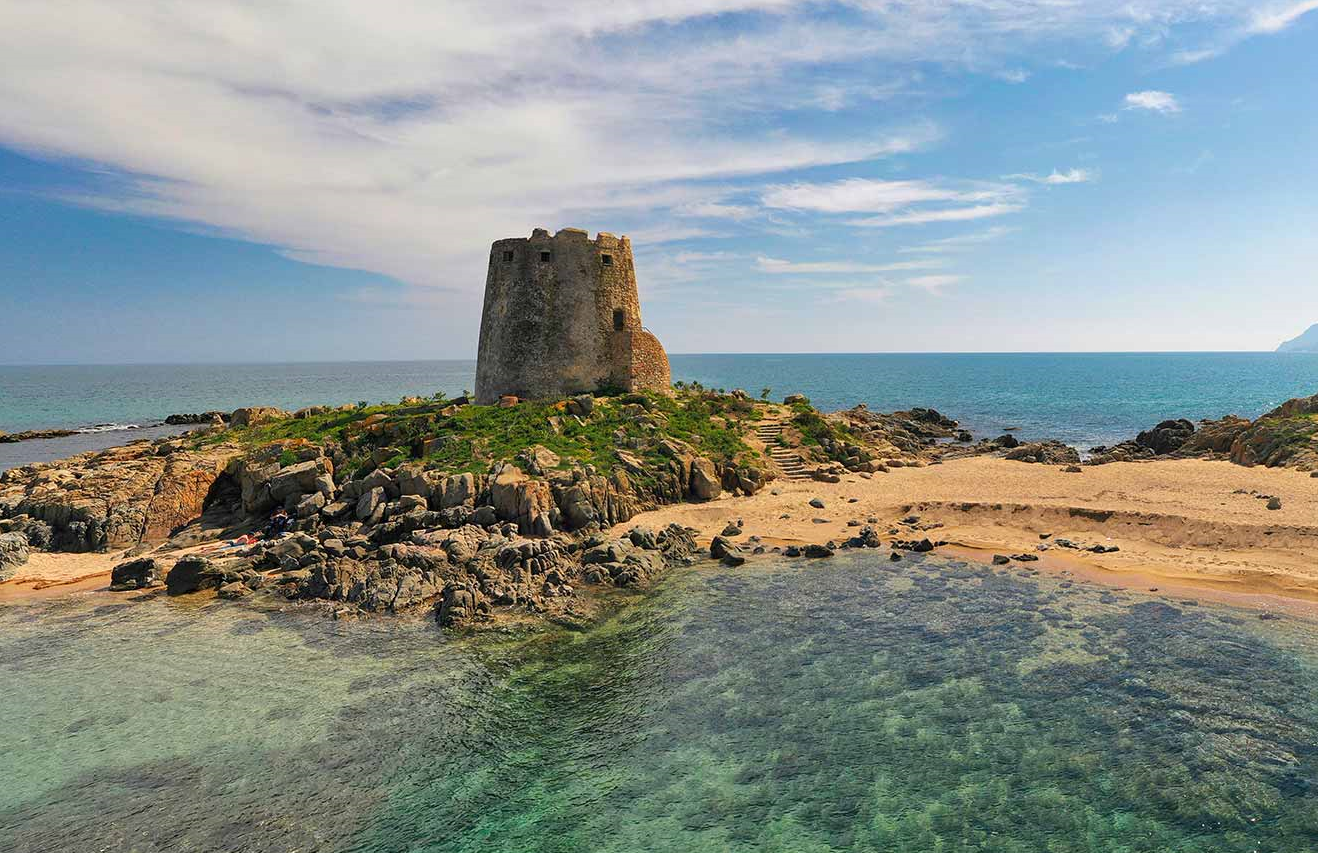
(863, 195)
(934, 283)
(402, 137)
(1153, 101)
(959, 242)
(1055, 178)
(778, 266)
(1276, 18)
(954, 214)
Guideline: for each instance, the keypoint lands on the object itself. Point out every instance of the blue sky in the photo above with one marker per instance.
(228, 181)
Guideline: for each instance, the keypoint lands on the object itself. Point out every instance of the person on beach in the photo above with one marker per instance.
(279, 524)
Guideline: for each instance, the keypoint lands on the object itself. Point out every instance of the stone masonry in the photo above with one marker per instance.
(562, 316)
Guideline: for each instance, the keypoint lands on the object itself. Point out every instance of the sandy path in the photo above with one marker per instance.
(1178, 524)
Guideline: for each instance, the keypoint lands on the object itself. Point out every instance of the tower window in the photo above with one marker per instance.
(544, 257)
(619, 319)
(607, 260)
(508, 256)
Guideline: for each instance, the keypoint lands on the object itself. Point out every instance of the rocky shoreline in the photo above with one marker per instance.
(383, 523)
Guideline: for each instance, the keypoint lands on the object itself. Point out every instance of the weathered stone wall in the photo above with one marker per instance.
(640, 363)
(554, 307)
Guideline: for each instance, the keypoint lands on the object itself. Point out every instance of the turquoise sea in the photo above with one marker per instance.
(1082, 399)
(800, 707)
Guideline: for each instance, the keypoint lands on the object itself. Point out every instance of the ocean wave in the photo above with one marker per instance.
(109, 428)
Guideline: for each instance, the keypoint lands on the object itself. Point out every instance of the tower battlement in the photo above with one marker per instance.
(561, 316)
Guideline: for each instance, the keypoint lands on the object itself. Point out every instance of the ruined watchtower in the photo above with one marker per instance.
(562, 316)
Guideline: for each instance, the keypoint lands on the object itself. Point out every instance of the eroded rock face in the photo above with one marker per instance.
(257, 415)
(114, 498)
(13, 553)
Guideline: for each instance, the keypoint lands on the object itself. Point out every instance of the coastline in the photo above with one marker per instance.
(1181, 526)
(1184, 528)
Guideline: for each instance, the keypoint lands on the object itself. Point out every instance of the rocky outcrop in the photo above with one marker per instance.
(13, 553)
(115, 498)
(142, 573)
(256, 415)
(188, 418)
(1046, 453)
(1167, 437)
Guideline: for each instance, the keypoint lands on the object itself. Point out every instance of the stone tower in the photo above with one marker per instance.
(562, 316)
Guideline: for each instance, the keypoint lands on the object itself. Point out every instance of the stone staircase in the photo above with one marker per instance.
(787, 461)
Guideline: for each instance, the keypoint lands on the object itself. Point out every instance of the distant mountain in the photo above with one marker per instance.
(1307, 342)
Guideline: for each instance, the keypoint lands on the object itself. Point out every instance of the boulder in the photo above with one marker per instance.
(412, 480)
(309, 505)
(461, 604)
(257, 415)
(459, 490)
(1045, 452)
(581, 405)
(234, 590)
(817, 551)
(540, 460)
(1167, 437)
(520, 499)
(721, 546)
(300, 478)
(13, 553)
(190, 574)
(135, 574)
(705, 482)
(369, 503)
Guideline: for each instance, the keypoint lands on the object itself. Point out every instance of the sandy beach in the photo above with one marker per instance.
(1183, 526)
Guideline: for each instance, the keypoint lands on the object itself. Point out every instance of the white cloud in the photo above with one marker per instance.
(779, 266)
(1071, 176)
(862, 195)
(715, 210)
(1154, 101)
(1275, 18)
(959, 242)
(954, 214)
(934, 283)
(403, 136)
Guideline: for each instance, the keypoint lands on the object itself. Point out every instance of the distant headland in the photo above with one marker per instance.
(1307, 342)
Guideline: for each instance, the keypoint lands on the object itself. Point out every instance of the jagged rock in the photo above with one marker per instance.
(301, 478)
(520, 499)
(135, 574)
(13, 553)
(540, 460)
(581, 405)
(411, 503)
(460, 605)
(370, 502)
(309, 505)
(234, 590)
(721, 546)
(1167, 437)
(257, 415)
(459, 490)
(705, 484)
(1045, 452)
(412, 481)
(1001, 559)
(1214, 436)
(817, 551)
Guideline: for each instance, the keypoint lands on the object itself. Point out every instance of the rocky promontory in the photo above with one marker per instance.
(437, 503)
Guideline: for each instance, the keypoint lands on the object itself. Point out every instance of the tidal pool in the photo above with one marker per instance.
(841, 705)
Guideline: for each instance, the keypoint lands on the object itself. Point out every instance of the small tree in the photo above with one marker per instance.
(765, 392)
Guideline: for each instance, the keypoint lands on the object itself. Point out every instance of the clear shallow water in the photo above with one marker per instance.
(1081, 398)
(843, 706)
